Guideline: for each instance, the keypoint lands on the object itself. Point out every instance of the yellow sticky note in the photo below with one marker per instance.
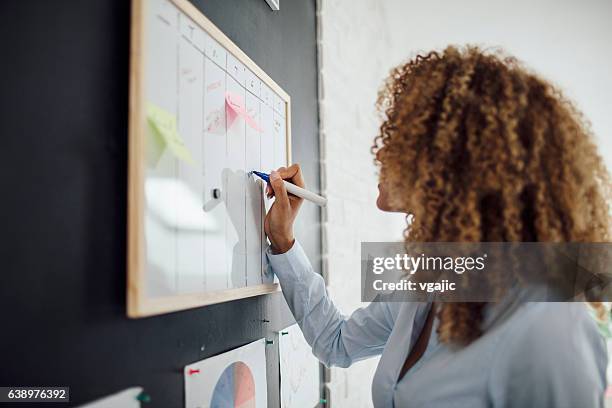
(164, 123)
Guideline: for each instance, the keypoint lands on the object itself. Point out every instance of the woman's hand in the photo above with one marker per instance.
(279, 220)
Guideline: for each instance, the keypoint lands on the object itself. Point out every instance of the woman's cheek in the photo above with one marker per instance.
(382, 202)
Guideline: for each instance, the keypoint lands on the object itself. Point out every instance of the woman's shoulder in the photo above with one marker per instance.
(546, 326)
(550, 349)
(552, 334)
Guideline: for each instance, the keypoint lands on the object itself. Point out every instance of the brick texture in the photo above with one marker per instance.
(359, 41)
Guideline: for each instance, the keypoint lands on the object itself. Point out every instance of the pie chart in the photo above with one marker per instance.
(235, 388)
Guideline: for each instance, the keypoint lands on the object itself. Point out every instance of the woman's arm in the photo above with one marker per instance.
(334, 339)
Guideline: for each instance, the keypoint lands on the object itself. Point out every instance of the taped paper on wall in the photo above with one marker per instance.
(299, 370)
(235, 379)
(164, 125)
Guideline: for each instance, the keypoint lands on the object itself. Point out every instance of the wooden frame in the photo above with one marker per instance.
(138, 303)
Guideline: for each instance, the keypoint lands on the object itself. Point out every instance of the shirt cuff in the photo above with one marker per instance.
(292, 264)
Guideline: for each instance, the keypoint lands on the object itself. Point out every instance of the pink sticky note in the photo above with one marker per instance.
(236, 106)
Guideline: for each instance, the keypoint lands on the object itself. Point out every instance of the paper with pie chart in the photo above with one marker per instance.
(299, 370)
(235, 379)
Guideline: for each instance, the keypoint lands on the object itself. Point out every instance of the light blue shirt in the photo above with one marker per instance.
(531, 355)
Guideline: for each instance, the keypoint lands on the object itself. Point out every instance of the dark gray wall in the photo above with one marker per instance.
(64, 104)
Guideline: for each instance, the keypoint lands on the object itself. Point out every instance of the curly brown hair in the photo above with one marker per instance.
(476, 148)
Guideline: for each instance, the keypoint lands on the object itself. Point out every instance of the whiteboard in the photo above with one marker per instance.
(202, 116)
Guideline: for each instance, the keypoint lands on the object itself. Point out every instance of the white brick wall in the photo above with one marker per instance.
(359, 41)
(348, 86)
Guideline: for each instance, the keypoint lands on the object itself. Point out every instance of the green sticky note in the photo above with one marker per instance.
(164, 124)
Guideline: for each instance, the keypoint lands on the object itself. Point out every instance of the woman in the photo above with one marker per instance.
(474, 148)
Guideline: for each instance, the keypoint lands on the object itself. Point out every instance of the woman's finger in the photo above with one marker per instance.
(292, 174)
(280, 192)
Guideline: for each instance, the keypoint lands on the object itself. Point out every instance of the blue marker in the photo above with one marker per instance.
(295, 190)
